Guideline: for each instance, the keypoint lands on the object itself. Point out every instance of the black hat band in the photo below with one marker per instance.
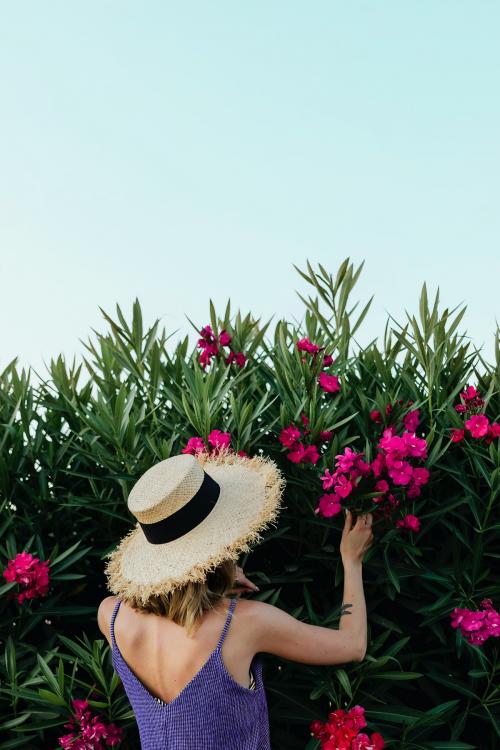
(186, 518)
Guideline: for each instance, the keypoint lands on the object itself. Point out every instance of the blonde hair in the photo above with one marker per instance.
(187, 604)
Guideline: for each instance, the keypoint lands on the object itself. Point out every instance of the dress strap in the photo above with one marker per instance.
(226, 624)
(112, 622)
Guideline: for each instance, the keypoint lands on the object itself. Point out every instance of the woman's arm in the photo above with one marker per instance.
(274, 631)
(352, 549)
(353, 616)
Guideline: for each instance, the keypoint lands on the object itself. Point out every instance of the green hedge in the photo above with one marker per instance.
(72, 446)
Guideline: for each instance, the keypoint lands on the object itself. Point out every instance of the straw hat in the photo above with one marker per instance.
(193, 512)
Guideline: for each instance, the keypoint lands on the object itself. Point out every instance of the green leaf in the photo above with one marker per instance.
(51, 697)
(396, 676)
(342, 677)
(394, 714)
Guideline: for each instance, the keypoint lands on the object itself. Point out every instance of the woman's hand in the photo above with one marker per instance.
(242, 584)
(356, 539)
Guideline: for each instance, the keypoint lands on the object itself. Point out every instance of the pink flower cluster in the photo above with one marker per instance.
(409, 522)
(329, 383)
(217, 440)
(292, 438)
(341, 731)
(395, 453)
(410, 420)
(470, 400)
(392, 464)
(31, 574)
(477, 626)
(210, 346)
(478, 425)
(350, 467)
(89, 732)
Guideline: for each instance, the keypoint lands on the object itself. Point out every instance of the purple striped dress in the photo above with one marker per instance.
(212, 712)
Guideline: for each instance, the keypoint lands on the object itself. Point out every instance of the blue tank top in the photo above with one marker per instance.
(212, 712)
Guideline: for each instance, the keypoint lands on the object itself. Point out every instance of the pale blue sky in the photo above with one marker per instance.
(176, 151)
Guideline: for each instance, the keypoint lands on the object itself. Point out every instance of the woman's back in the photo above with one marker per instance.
(189, 693)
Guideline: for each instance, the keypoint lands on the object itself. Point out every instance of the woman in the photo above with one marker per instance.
(187, 654)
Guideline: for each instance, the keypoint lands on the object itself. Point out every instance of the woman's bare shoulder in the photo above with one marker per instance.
(104, 612)
(253, 614)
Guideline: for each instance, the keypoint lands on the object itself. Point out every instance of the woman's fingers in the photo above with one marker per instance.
(243, 582)
(347, 522)
(365, 519)
(360, 521)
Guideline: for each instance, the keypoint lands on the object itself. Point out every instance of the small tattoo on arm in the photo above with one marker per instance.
(344, 609)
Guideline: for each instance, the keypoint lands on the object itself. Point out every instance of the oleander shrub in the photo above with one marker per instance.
(412, 417)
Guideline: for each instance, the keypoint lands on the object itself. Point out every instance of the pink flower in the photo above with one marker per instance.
(209, 344)
(304, 345)
(477, 626)
(31, 574)
(376, 416)
(329, 505)
(400, 472)
(94, 730)
(311, 454)
(342, 731)
(79, 707)
(345, 461)
(477, 425)
(194, 445)
(417, 447)
(92, 733)
(393, 444)
(343, 488)
(207, 335)
(114, 735)
(409, 522)
(224, 338)
(296, 456)
(493, 432)
(393, 503)
(472, 400)
(329, 383)
(361, 469)
(218, 439)
(209, 350)
(378, 464)
(326, 435)
(363, 742)
(328, 479)
(467, 619)
(357, 716)
(411, 420)
(421, 475)
(66, 741)
(413, 490)
(289, 435)
(457, 436)
(327, 360)
(316, 727)
(239, 358)
(469, 393)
